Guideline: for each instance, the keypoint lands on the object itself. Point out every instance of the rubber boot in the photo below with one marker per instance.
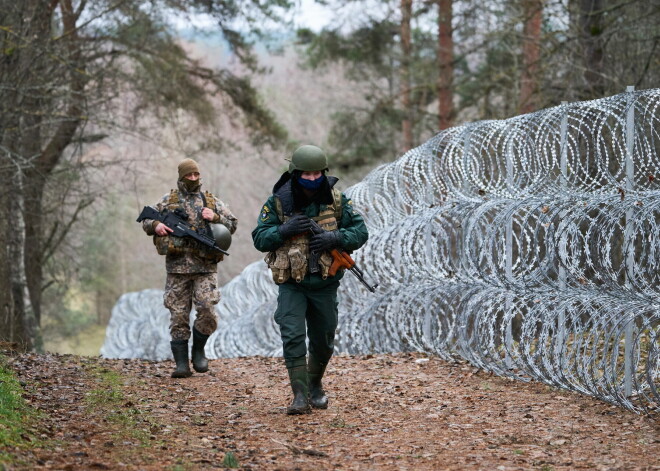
(199, 361)
(180, 352)
(300, 387)
(317, 397)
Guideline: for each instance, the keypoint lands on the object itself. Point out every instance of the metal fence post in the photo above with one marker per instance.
(464, 186)
(563, 166)
(508, 335)
(630, 176)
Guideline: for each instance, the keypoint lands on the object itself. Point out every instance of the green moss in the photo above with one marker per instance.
(180, 466)
(109, 400)
(16, 417)
(109, 391)
(230, 460)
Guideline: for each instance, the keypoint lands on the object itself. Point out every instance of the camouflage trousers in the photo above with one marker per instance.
(184, 289)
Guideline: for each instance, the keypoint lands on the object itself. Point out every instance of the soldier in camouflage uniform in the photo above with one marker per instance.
(192, 276)
(300, 262)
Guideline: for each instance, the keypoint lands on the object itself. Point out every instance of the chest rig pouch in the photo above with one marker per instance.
(169, 245)
(293, 258)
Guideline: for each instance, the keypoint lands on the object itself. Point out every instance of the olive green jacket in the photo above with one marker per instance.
(266, 236)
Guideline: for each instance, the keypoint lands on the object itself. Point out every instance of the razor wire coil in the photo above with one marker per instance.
(528, 246)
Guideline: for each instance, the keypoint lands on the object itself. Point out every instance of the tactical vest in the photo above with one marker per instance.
(292, 259)
(169, 245)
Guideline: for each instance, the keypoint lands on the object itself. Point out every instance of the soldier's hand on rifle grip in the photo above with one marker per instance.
(162, 230)
(298, 224)
(325, 241)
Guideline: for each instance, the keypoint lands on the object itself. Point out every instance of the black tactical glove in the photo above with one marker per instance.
(298, 224)
(327, 240)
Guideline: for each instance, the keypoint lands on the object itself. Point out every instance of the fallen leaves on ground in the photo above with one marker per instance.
(387, 412)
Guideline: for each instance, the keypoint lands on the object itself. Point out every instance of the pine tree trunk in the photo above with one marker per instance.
(531, 47)
(445, 64)
(406, 103)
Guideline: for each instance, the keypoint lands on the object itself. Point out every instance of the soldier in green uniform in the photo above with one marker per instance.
(192, 271)
(307, 300)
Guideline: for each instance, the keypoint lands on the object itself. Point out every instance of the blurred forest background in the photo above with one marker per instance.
(100, 100)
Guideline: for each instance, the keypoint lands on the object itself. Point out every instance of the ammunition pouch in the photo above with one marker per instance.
(298, 262)
(169, 245)
(292, 259)
(162, 244)
(212, 256)
(278, 262)
(325, 262)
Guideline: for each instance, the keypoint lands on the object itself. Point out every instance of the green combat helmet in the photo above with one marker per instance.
(221, 235)
(308, 159)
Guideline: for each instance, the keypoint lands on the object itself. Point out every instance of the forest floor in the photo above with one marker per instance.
(387, 412)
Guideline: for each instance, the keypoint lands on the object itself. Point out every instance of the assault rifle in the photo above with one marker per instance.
(341, 259)
(177, 221)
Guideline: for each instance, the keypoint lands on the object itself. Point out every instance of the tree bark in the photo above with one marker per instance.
(445, 64)
(8, 65)
(406, 102)
(49, 153)
(33, 146)
(23, 109)
(18, 280)
(6, 299)
(589, 23)
(531, 47)
(11, 323)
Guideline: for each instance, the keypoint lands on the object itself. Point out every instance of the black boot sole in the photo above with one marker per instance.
(290, 411)
(186, 374)
(200, 370)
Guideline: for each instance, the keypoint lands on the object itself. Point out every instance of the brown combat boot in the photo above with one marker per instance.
(180, 352)
(300, 387)
(317, 397)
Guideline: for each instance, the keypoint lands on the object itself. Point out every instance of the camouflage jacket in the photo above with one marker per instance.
(192, 203)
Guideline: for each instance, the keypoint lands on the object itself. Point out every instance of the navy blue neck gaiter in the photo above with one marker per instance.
(311, 184)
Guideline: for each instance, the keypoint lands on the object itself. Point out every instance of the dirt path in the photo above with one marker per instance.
(387, 412)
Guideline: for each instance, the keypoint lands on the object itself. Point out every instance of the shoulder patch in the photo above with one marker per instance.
(352, 210)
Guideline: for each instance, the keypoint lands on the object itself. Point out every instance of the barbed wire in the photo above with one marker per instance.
(529, 247)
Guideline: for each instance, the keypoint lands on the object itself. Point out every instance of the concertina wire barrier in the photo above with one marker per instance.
(529, 247)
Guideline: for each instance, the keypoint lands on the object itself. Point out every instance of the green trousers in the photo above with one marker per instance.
(307, 312)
